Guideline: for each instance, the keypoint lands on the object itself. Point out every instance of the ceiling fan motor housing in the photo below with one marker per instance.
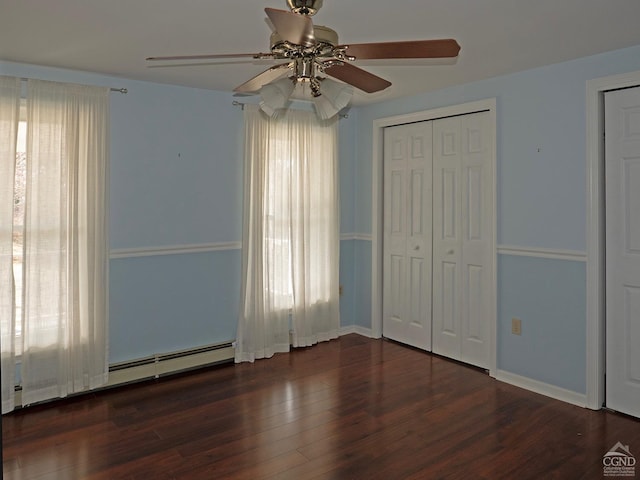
(325, 41)
(305, 7)
(324, 36)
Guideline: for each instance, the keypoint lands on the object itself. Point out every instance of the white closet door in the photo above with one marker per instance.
(462, 237)
(622, 173)
(407, 234)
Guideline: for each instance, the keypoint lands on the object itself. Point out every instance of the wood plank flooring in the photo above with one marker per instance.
(352, 408)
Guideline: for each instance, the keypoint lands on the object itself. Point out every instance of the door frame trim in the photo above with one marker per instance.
(595, 280)
(379, 125)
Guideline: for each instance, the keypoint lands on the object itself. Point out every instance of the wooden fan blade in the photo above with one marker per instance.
(357, 77)
(208, 57)
(292, 27)
(268, 76)
(443, 48)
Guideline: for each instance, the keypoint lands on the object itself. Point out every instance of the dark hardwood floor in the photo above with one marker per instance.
(352, 408)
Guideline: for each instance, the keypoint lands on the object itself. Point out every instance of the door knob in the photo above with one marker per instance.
(451, 251)
(417, 247)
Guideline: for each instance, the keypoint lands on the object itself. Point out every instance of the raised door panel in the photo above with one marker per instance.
(395, 299)
(447, 300)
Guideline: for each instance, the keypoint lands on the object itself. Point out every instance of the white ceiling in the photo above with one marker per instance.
(497, 36)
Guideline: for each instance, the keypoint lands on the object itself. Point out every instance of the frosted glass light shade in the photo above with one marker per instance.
(324, 108)
(334, 96)
(339, 94)
(275, 95)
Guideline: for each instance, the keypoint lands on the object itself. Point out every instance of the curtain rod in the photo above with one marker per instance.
(119, 90)
(236, 103)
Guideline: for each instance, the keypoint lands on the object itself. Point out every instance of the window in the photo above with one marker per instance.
(291, 234)
(53, 242)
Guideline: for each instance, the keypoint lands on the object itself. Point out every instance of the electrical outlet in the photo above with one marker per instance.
(516, 326)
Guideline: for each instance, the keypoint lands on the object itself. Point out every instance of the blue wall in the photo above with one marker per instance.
(166, 303)
(549, 297)
(176, 167)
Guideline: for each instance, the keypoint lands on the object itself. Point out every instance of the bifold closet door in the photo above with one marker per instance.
(462, 237)
(407, 234)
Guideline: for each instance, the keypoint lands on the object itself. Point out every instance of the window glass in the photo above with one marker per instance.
(18, 216)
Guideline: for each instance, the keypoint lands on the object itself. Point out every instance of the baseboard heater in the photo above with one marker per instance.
(159, 365)
(156, 366)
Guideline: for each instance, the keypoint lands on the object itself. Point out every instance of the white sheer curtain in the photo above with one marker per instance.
(290, 234)
(65, 263)
(9, 115)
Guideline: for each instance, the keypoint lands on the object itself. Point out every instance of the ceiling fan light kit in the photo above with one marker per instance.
(312, 54)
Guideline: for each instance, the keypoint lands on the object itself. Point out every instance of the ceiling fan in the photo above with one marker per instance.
(311, 53)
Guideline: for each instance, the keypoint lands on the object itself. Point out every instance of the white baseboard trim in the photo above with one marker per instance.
(542, 388)
(365, 332)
